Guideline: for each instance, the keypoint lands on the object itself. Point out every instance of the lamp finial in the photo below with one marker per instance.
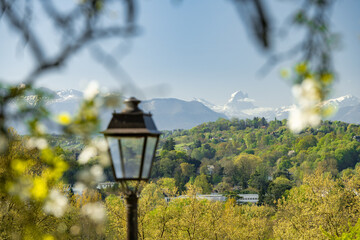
(132, 105)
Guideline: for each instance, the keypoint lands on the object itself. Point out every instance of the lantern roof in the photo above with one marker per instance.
(132, 121)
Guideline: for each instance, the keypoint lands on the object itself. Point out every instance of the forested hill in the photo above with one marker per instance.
(255, 155)
(242, 156)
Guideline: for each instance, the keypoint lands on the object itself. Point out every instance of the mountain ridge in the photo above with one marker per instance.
(346, 106)
(173, 113)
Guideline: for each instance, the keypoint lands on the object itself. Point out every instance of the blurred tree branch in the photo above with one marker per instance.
(86, 22)
(256, 18)
(318, 41)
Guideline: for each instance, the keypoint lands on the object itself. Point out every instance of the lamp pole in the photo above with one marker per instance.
(131, 209)
(132, 137)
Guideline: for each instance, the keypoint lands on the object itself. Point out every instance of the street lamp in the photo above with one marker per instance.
(132, 138)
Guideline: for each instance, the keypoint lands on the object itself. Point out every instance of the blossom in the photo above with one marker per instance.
(285, 73)
(39, 190)
(301, 68)
(39, 143)
(93, 175)
(64, 118)
(308, 93)
(40, 128)
(75, 230)
(327, 78)
(100, 143)
(48, 237)
(86, 154)
(102, 147)
(329, 110)
(309, 97)
(301, 118)
(79, 187)
(97, 172)
(56, 203)
(62, 227)
(21, 86)
(91, 90)
(21, 187)
(19, 166)
(104, 159)
(95, 211)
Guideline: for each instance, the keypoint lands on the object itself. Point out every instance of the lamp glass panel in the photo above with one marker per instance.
(149, 155)
(115, 156)
(132, 153)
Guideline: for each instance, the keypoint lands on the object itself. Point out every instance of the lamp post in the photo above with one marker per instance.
(132, 138)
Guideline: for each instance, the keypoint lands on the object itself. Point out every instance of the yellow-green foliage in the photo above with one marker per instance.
(324, 205)
(321, 205)
(27, 177)
(321, 208)
(190, 218)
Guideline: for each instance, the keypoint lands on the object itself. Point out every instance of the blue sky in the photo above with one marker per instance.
(196, 48)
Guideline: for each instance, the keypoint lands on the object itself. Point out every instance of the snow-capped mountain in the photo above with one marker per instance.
(347, 108)
(241, 106)
(168, 113)
(344, 101)
(171, 113)
(56, 96)
(239, 101)
(236, 106)
(65, 101)
(68, 94)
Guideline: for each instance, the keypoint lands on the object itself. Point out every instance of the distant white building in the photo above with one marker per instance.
(248, 198)
(244, 198)
(78, 189)
(105, 185)
(212, 197)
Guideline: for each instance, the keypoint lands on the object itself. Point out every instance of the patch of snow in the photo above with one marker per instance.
(344, 101)
(258, 111)
(205, 102)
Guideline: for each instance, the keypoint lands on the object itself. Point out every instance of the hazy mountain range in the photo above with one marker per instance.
(172, 113)
(241, 106)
